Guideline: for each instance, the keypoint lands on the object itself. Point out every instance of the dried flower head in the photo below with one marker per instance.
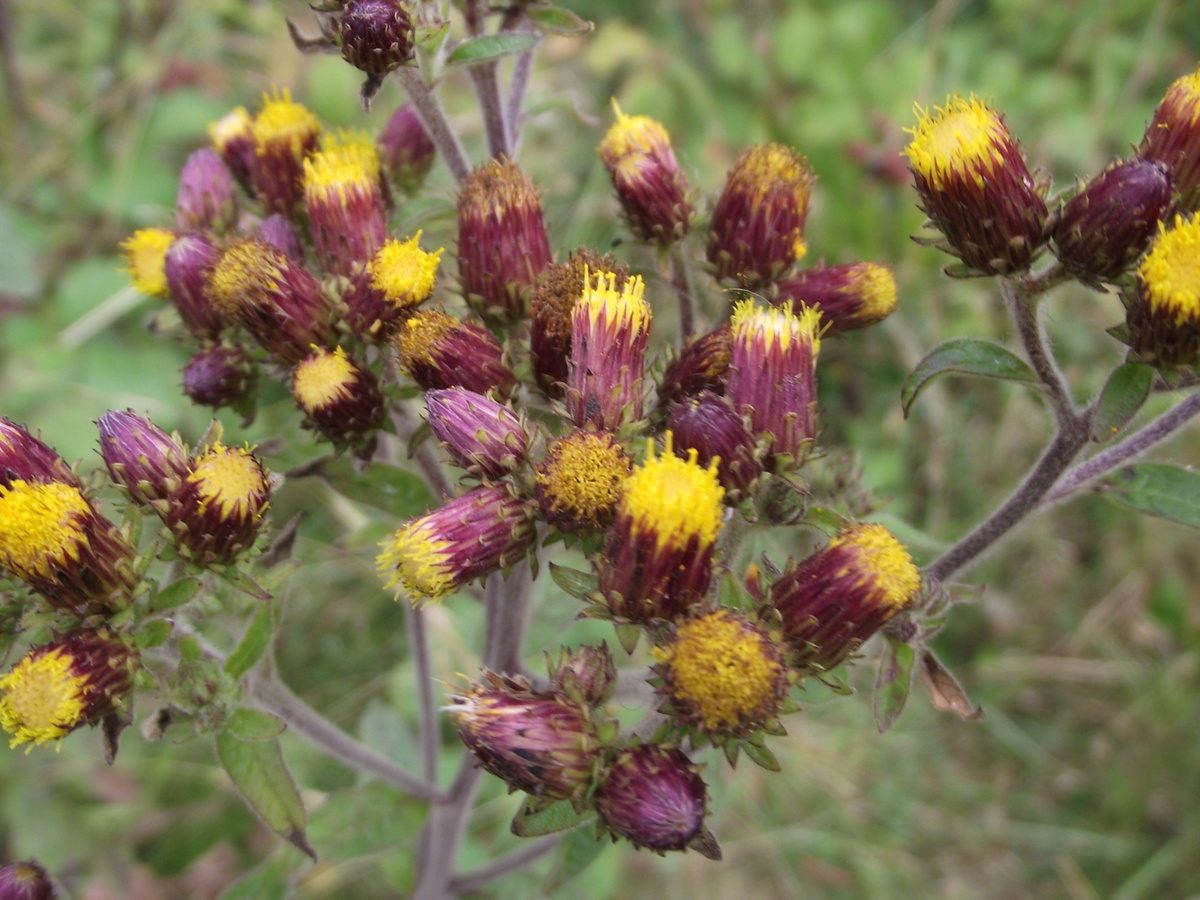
(439, 351)
(580, 480)
(1173, 137)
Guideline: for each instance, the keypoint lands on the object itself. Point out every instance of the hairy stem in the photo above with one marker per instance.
(418, 641)
(1025, 309)
(433, 116)
(486, 79)
(682, 283)
(1134, 445)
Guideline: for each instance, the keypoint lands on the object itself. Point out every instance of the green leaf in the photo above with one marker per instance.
(1124, 393)
(534, 819)
(260, 775)
(268, 882)
(174, 595)
(491, 46)
(762, 756)
(254, 725)
(153, 633)
(576, 852)
(254, 642)
(893, 683)
(395, 491)
(556, 20)
(964, 356)
(353, 823)
(1168, 492)
(575, 582)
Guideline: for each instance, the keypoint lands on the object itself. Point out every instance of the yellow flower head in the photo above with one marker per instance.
(323, 378)
(1170, 271)
(232, 482)
(42, 699)
(405, 273)
(416, 562)
(248, 268)
(284, 124)
(41, 526)
(145, 253)
(774, 330)
(632, 135)
(880, 561)
(347, 163)
(581, 479)
(235, 125)
(672, 500)
(963, 139)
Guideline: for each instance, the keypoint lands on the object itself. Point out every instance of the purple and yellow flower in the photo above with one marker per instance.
(656, 564)
(406, 150)
(701, 365)
(482, 436)
(723, 675)
(218, 511)
(757, 230)
(340, 399)
(438, 351)
(502, 242)
(831, 602)
(580, 480)
(399, 278)
(609, 328)
(708, 425)
(473, 535)
(188, 267)
(146, 461)
(1107, 225)
(73, 681)
(233, 138)
(284, 133)
(652, 190)
(654, 797)
(220, 376)
(848, 297)
(207, 199)
(540, 742)
(771, 377)
(53, 538)
(25, 457)
(344, 198)
(1173, 137)
(974, 185)
(1162, 313)
(278, 301)
(145, 253)
(25, 880)
(278, 231)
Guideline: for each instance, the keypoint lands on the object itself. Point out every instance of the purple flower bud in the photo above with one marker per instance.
(24, 457)
(484, 437)
(376, 36)
(206, 198)
(709, 425)
(188, 266)
(405, 149)
(220, 376)
(280, 233)
(25, 881)
(141, 457)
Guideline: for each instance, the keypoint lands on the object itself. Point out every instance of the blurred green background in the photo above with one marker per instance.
(1084, 779)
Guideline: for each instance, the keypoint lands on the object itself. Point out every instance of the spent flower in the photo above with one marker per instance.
(438, 351)
(580, 480)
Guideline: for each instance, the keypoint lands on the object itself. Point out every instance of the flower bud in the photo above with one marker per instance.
(609, 328)
(539, 742)
(702, 365)
(1162, 314)
(482, 436)
(1108, 224)
(206, 200)
(284, 134)
(146, 461)
(24, 457)
(654, 797)
(188, 267)
(53, 538)
(580, 480)
(586, 675)
(757, 230)
(650, 186)
(399, 278)
(145, 252)
(438, 351)
(281, 234)
(502, 242)
(723, 674)
(73, 681)
(657, 560)
(473, 535)
(25, 881)
(708, 425)
(847, 297)
(839, 596)
(376, 37)
(220, 376)
(218, 511)
(341, 400)
(233, 138)
(550, 308)
(406, 151)
(974, 186)
(1173, 137)
(771, 377)
(277, 300)
(344, 198)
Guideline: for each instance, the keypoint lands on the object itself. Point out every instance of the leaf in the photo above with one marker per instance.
(268, 882)
(491, 46)
(1124, 393)
(1168, 492)
(254, 725)
(964, 356)
(556, 20)
(893, 682)
(174, 595)
(534, 819)
(260, 775)
(385, 487)
(628, 635)
(762, 756)
(945, 691)
(576, 852)
(153, 634)
(254, 642)
(575, 582)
